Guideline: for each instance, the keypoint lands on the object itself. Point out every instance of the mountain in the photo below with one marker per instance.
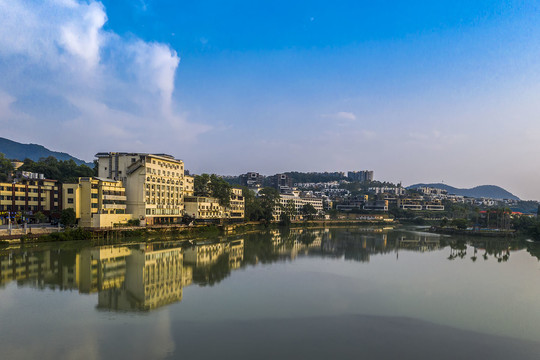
(483, 191)
(14, 150)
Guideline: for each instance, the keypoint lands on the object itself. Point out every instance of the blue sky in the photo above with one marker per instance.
(418, 91)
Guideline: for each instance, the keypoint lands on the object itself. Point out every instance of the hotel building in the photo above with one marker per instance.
(154, 184)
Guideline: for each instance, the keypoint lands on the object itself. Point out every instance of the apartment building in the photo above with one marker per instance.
(28, 196)
(97, 202)
(154, 184)
(236, 209)
(360, 176)
(298, 203)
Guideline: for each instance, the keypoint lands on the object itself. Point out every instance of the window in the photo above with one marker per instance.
(94, 206)
(70, 191)
(70, 201)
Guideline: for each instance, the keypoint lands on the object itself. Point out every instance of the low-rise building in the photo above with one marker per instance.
(203, 208)
(298, 203)
(27, 196)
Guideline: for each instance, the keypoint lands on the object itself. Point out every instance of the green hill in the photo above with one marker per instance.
(14, 150)
(483, 191)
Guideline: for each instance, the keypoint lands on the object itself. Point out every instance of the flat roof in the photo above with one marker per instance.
(164, 156)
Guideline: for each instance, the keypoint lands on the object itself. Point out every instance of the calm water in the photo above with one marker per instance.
(318, 294)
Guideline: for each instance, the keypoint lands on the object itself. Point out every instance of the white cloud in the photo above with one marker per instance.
(82, 36)
(120, 88)
(341, 115)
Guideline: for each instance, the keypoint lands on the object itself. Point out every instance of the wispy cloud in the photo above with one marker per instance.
(341, 115)
(121, 87)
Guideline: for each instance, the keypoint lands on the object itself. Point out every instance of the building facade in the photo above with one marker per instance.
(26, 196)
(236, 209)
(154, 184)
(97, 202)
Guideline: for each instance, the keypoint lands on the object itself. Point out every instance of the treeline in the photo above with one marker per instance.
(315, 177)
(64, 171)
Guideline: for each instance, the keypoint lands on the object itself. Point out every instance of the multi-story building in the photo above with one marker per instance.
(360, 176)
(281, 182)
(97, 202)
(399, 191)
(26, 196)
(418, 204)
(252, 180)
(298, 203)
(236, 209)
(203, 208)
(154, 184)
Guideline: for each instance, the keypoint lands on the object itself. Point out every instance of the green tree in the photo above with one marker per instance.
(68, 217)
(309, 211)
(270, 200)
(220, 189)
(63, 171)
(200, 185)
(461, 224)
(40, 217)
(213, 185)
(252, 206)
(6, 168)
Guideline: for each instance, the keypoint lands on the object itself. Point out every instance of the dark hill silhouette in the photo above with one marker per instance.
(15, 150)
(483, 191)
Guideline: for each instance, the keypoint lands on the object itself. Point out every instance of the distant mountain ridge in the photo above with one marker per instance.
(15, 150)
(483, 191)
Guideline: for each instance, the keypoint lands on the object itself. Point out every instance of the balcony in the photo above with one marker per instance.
(115, 197)
(114, 206)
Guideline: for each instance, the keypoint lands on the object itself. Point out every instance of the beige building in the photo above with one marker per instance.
(189, 185)
(236, 209)
(207, 208)
(203, 207)
(97, 202)
(205, 254)
(154, 184)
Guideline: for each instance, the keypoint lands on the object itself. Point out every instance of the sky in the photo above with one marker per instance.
(418, 91)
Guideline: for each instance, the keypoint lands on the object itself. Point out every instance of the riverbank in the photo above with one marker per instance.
(472, 232)
(159, 232)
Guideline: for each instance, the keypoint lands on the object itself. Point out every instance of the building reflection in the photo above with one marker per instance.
(147, 276)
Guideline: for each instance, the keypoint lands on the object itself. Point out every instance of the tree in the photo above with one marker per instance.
(252, 206)
(40, 217)
(461, 224)
(200, 185)
(213, 185)
(309, 211)
(6, 168)
(68, 217)
(270, 199)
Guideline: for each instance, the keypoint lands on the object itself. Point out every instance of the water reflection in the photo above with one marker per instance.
(147, 276)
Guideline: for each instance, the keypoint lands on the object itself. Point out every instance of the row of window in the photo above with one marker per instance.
(20, 198)
(21, 189)
(167, 165)
(24, 208)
